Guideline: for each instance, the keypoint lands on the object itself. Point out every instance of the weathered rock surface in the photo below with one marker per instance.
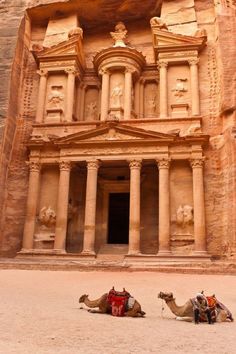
(24, 23)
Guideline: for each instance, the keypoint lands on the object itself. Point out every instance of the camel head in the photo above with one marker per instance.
(82, 298)
(166, 296)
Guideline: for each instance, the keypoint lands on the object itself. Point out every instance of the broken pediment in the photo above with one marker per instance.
(66, 50)
(165, 41)
(114, 133)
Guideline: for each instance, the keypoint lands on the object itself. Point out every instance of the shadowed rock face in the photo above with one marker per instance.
(93, 13)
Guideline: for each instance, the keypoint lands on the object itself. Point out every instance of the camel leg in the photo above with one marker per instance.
(96, 311)
(134, 313)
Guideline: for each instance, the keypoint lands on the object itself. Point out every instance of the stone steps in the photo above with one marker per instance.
(114, 264)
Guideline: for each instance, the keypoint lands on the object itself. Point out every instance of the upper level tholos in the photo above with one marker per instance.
(120, 84)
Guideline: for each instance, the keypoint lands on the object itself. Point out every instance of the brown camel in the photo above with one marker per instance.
(186, 311)
(104, 306)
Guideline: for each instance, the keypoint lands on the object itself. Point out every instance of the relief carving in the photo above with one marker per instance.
(56, 97)
(201, 32)
(116, 95)
(78, 31)
(119, 35)
(47, 217)
(184, 216)
(180, 88)
(91, 110)
(151, 106)
(159, 23)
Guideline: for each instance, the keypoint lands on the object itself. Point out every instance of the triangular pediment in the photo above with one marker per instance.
(113, 133)
(164, 40)
(70, 48)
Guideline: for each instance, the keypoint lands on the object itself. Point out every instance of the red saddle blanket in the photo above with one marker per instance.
(118, 302)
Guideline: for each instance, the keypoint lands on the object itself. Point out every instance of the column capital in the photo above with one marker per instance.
(193, 61)
(136, 163)
(129, 70)
(93, 164)
(104, 71)
(162, 64)
(42, 72)
(197, 163)
(163, 163)
(65, 165)
(70, 71)
(33, 166)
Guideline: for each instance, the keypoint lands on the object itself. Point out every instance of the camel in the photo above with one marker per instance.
(185, 312)
(104, 306)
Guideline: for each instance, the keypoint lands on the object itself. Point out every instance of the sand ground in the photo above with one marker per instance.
(40, 314)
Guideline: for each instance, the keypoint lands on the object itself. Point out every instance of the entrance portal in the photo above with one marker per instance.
(118, 224)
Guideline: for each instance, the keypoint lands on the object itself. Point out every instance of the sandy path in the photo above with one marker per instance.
(40, 314)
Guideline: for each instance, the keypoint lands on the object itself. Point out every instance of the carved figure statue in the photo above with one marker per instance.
(119, 35)
(151, 105)
(184, 215)
(116, 94)
(56, 97)
(91, 110)
(47, 217)
(159, 23)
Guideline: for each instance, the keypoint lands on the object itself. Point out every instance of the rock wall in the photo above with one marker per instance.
(217, 94)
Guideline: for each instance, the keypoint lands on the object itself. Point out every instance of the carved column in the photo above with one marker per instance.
(70, 94)
(163, 89)
(31, 207)
(105, 93)
(82, 97)
(90, 207)
(199, 206)
(194, 86)
(141, 98)
(164, 207)
(136, 97)
(62, 206)
(128, 94)
(41, 95)
(134, 212)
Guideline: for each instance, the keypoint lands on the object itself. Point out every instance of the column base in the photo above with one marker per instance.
(164, 253)
(87, 253)
(58, 251)
(133, 253)
(25, 251)
(201, 254)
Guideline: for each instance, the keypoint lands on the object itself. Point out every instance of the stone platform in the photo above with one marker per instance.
(67, 262)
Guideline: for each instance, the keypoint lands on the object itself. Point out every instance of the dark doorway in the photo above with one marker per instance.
(118, 224)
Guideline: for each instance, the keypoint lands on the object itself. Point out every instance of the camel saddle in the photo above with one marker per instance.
(212, 302)
(118, 301)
